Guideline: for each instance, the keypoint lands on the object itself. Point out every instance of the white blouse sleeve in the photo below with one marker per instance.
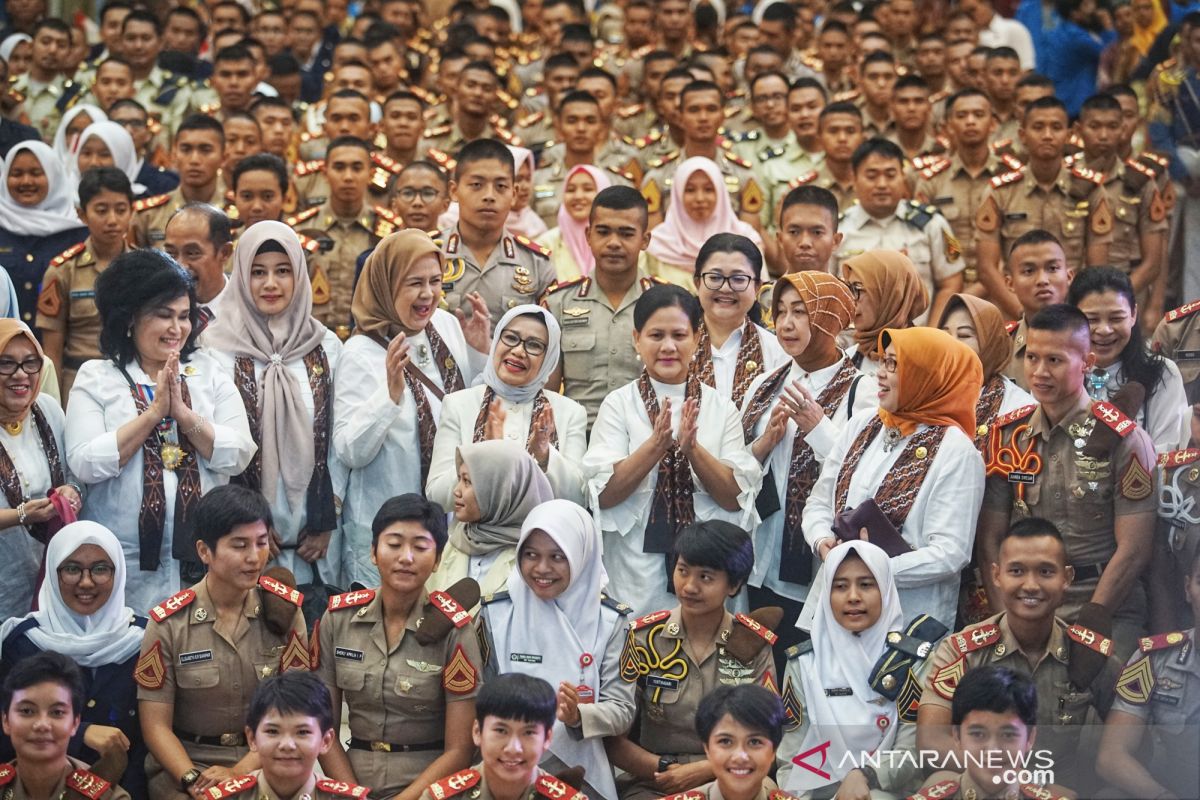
(610, 445)
(736, 455)
(613, 714)
(91, 448)
(443, 473)
(563, 467)
(363, 411)
(817, 520)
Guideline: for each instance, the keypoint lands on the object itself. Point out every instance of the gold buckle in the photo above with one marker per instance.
(231, 739)
(380, 747)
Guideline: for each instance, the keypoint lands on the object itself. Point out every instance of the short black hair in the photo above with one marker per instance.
(1060, 318)
(757, 708)
(717, 544)
(200, 122)
(780, 12)
(350, 94)
(834, 26)
(666, 296)
(807, 82)
(423, 165)
(411, 507)
(115, 5)
(404, 94)
(560, 61)
(812, 195)
(1099, 102)
(878, 56)
(99, 179)
(52, 23)
(480, 66)
(483, 150)
(911, 81)
(997, 689)
(283, 63)
(270, 101)
(769, 73)
(1121, 90)
(142, 15)
(44, 667)
(220, 228)
(576, 96)
(840, 107)
(597, 72)
(658, 55)
(127, 102)
(190, 13)
(135, 281)
(295, 692)
(621, 198)
(245, 15)
(348, 141)
(233, 52)
(1032, 528)
(877, 146)
(1003, 53)
(226, 507)
(1035, 79)
(963, 94)
(1034, 237)
(575, 32)
(517, 696)
(264, 162)
(1043, 103)
(700, 86)
(729, 243)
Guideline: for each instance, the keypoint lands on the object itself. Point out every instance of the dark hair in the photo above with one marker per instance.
(134, 281)
(1032, 528)
(190, 13)
(840, 107)
(666, 296)
(99, 179)
(730, 243)
(411, 507)
(421, 165)
(1100, 102)
(46, 666)
(597, 72)
(1121, 90)
(1003, 52)
(142, 15)
(517, 696)
(749, 704)
(911, 81)
(621, 198)
(877, 146)
(876, 57)
(127, 102)
(812, 195)
(559, 61)
(1034, 237)
(576, 32)
(1138, 362)
(1035, 79)
(1060, 318)
(657, 55)
(1191, 20)
(200, 122)
(348, 141)
(780, 12)
(480, 66)
(350, 94)
(483, 150)
(576, 96)
(717, 544)
(999, 690)
(834, 26)
(808, 83)
(301, 693)
(233, 52)
(769, 73)
(270, 101)
(678, 72)
(120, 62)
(283, 64)
(226, 507)
(963, 94)
(981, 50)
(700, 86)
(114, 5)
(1043, 103)
(220, 229)
(242, 12)
(265, 162)
(403, 94)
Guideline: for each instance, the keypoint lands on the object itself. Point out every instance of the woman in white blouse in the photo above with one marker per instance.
(153, 424)
(31, 466)
(666, 450)
(512, 403)
(406, 354)
(281, 360)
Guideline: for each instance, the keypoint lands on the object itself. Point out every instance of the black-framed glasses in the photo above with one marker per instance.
(856, 289)
(101, 572)
(30, 366)
(427, 195)
(534, 347)
(738, 282)
(889, 364)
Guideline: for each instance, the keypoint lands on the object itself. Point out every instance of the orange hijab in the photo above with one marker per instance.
(940, 379)
(890, 279)
(995, 348)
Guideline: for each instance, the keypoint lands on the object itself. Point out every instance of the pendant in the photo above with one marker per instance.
(890, 439)
(14, 428)
(423, 355)
(172, 456)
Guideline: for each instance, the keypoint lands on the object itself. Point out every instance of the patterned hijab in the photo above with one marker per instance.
(940, 379)
(829, 302)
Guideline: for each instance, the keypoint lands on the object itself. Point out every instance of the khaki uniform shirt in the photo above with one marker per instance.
(45, 104)
(312, 188)
(255, 787)
(957, 194)
(67, 304)
(450, 139)
(550, 179)
(1016, 366)
(711, 791)
(168, 97)
(1178, 338)
(470, 784)
(636, 119)
(1074, 209)
(1137, 210)
(535, 129)
(1179, 491)
(655, 146)
(516, 272)
(618, 153)
(597, 339)
(743, 188)
(844, 193)
(77, 784)
(151, 215)
(776, 163)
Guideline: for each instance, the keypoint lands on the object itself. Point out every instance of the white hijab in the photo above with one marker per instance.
(526, 393)
(563, 630)
(56, 212)
(10, 43)
(840, 659)
(119, 143)
(63, 149)
(106, 637)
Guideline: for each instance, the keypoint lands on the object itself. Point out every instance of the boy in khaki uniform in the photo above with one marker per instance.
(198, 151)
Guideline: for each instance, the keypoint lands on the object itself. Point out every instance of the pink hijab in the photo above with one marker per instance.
(678, 239)
(574, 233)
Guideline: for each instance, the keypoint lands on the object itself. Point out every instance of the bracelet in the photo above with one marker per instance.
(78, 489)
(195, 428)
(21, 514)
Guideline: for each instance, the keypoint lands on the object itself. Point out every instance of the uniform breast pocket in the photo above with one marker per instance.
(951, 211)
(1170, 712)
(1069, 707)
(919, 252)
(83, 307)
(419, 689)
(199, 677)
(350, 679)
(1088, 503)
(661, 690)
(577, 347)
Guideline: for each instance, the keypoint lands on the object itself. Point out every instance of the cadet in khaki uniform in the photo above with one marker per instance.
(1178, 338)
(473, 115)
(517, 271)
(199, 665)
(46, 90)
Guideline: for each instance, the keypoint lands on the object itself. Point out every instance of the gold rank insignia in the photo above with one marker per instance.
(953, 248)
(460, 676)
(987, 219)
(653, 196)
(576, 311)
(946, 679)
(321, 293)
(455, 269)
(1102, 220)
(1136, 682)
(752, 197)
(295, 656)
(151, 672)
(50, 300)
(1136, 482)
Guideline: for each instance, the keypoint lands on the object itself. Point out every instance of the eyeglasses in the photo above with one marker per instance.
(889, 364)
(534, 347)
(856, 289)
(427, 195)
(31, 366)
(72, 573)
(738, 282)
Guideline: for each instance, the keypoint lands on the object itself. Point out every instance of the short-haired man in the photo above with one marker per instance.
(46, 90)
(166, 96)
(808, 229)
(197, 153)
(840, 128)
(1037, 274)
(347, 113)
(198, 237)
(472, 114)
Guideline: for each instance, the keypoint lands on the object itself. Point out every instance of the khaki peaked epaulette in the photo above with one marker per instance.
(667, 159)
(387, 162)
(1007, 179)
(309, 167)
(68, 254)
(1082, 172)
(629, 112)
(151, 202)
(441, 130)
(801, 180)
(626, 174)
(532, 246)
(531, 119)
(303, 216)
(387, 214)
(558, 286)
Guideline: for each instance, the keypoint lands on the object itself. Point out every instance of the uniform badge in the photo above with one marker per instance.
(50, 299)
(455, 269)
(752, 199)
(321, 293)
(1136, 682)
(630, 664)
(733, 672)
(295, 656)
(653, 196)
(1102, 220)
(953, 248)
(1136, 483)
(151, 672)
(459, 676)
(987, 218)
(946, 679)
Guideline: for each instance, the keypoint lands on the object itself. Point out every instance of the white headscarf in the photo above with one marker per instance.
(514, 14)
(106, 637)
(119, 143)
(840, 659)
(526, 393)
(56, 212)
(563, 630)
(63, 149)
(10, 43)
(8, 297)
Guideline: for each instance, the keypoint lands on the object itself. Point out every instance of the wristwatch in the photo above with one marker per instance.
(189, 779)
(666, 761)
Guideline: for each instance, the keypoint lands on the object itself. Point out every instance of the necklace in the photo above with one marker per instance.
(891, 438)
(14, 428)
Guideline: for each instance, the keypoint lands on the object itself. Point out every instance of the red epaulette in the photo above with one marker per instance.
(280, 589)
(172, 604)
(766, 633)
(624, 174)
(975, 638)
(441, 130)
(1040, 793)
(1178, 458)
(506, 136)
(387, 162)
(648, 139)
(780, 794)
(1014, 415)
(151, 202)
(554, 788)
(801, 180)
(1162, 641)
(308, 243)
(303, 216)
(7, 773)
(1011, 161)
(1090, 639)
(1011, 326)
(1007, 178)
(342, 788)
(692, 795)
(935, 167)
(453, 609)
(67, 254)
(1113, 417)
(309, 167)
(531, 119)
(387, 213)
(442, 159)
(351, 599)
(231, 787)
(667, 159)
(87, 783)
(741, 162)
(1185, 310)
(649, 619)
(456, 784)
(938, 790)
(1086, 174)
(532, 246)
(849, 95)
(560, 285)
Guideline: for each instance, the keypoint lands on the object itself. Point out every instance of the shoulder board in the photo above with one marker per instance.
(231, 787)
(780, 794)
(1086, 174)
(442, 159)
(1007, 178)
(741, 162)
(667, 159)
(1178, 458)
(1014, 415)
(808, 177)
(309, 167)
(532, 246)
(280, 589)
(454, 785)
(938, 790)
(172, 604)
(531, 119)
(935, 167)
(648, 139)
(626, 175)
(974, 638)
(1183, 311)
(923, 632)
(649, 619)
(749, 136)
(797, 650)
(303, 216)
(493, 598)
(87, 783)
(440, 130)
(7, 773)
(506, 136)
(847, 96)
(692, 795)
(68, 254)
(150, 202)
(387, 162)
(554, 788)
(558, 286)
(308, 243)
(766, 633)
(1113, 417)
(624, 609)
(630, 111)
(387, 214)
(1034, 792)
(351, 599)
(917, 216)
(1090, 639)
(342, 788)
(1011, 326)
(1011, 161)
(652, 280)
(1148, 644)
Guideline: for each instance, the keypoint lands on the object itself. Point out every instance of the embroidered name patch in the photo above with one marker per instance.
(348, 653)
(195, 657)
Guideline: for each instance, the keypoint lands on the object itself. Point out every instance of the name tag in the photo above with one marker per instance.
(1187, 355)
(659, 682)
(1020, 477)
(942, 201)
(158, 236)
(195, 657)
(83, 294)
(575, 321)
(1016, 216)
(348, 654)
(1160, 697)
(841, 691)
(525, 658)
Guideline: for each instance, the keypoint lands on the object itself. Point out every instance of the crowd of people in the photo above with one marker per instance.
(615, 400)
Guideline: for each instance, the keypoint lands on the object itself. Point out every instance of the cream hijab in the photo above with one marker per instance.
(508, 485)
(119, 144)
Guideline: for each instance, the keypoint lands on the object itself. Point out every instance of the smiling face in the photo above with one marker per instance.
(960, 325)
(511, 748)
(27, 181)
(544, 565)
(513, 361)
(18, 390)
(666, 344)
(792, 325)
(990, 741)
(578, 195)
(288, 744)
(272, 283)
(854, 595)
(1111, 319)
(87, 595)
(40, 721)
(879, 184)
(889, 381)
(466, 503)
(727, 306)
(1032, 576)
(160, 331)
(699, 196)
(740, 757)
(420, 293)
(239, 556)
(406, 555)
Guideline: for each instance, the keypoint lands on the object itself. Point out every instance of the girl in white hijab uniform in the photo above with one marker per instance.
(122, 153)
(554, 623)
